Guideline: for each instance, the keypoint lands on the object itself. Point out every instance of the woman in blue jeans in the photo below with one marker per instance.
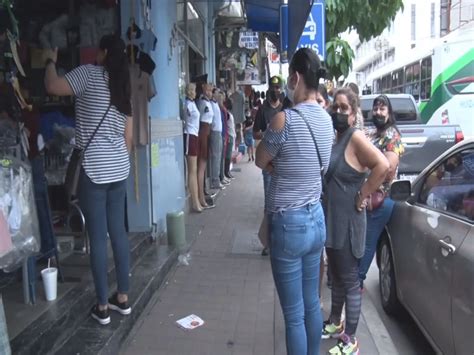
(386, 137)
(294, 158)
(102, 94)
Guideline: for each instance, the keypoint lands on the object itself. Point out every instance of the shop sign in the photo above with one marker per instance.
(248, 39)
(248, 76)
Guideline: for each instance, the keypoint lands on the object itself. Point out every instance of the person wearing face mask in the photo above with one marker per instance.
(357, 168)
(295, 160)
(387, 139)
(270, 107)
(322, 97)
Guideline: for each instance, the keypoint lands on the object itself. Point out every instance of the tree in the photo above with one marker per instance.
(368, 17)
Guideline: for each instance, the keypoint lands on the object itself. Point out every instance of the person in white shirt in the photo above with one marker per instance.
(191, 133)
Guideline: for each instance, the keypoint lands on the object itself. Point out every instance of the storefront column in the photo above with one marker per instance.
(167, 155)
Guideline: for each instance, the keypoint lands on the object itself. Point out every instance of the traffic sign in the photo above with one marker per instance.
(313, 35)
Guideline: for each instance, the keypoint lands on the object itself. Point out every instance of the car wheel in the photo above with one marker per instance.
(387, 282)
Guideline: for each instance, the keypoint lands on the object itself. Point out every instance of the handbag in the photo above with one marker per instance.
(376, 199)
(73, 172)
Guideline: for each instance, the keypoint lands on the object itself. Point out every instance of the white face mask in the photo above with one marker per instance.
(290, 92)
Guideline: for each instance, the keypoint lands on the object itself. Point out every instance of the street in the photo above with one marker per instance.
(229, 285)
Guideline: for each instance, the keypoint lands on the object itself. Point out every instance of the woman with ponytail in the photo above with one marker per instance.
(104, 133)
(295, 148)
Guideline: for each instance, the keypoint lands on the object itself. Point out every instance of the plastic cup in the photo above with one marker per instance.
(50, 282)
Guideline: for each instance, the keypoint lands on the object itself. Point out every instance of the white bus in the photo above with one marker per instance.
(441, 81)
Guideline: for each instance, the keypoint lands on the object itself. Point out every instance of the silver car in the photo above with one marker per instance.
(426, 254)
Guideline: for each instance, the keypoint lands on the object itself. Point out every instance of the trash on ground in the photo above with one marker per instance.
(184, 259)
(190, 322)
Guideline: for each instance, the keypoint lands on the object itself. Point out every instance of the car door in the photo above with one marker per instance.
(439, 228)
(463, 295)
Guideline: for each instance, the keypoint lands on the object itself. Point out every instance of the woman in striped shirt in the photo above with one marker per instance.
(289, 152)
(102, 91)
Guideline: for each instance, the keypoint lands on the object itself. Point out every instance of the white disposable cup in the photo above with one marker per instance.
(50, 282)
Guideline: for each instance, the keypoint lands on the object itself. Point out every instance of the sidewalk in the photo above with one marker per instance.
(230, 286)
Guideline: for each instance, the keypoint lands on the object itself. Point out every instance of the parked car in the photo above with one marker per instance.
(423, 143)
(426, 253)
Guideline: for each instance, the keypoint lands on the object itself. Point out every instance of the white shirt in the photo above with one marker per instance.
(191, 120)
(205, 110)
(217, 120)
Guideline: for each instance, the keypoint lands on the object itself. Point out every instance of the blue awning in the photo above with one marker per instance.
(264, 16)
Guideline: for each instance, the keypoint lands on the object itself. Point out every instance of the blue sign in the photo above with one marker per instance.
(313, 35)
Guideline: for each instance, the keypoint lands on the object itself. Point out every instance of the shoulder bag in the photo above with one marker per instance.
(73, 172)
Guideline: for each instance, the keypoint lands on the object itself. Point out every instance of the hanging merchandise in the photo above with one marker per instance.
(142, 92)
(17, 205)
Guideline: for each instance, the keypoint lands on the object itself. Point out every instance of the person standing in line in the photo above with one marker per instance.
(191, 132)
(387, 139)
(270, 107)
(206, 118)
(347, 188)
(102, 93)
(248, 137)
(295, 148)
(216, 142)
(360, 118)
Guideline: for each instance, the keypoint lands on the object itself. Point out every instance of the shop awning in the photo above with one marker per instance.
(264, 16)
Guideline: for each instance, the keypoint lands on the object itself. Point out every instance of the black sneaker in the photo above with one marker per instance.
(123, 308)
(102, 317)
(265, 252)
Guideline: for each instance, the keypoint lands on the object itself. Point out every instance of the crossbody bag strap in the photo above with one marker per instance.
(314, 139)
(97, 128)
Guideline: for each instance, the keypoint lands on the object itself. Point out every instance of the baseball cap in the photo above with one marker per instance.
(276, 80)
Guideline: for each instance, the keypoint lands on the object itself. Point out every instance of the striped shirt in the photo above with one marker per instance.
(296, 178)
(106, 159)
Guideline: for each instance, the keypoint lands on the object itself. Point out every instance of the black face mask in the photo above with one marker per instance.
(273, 96)
(379, 121)
(340, 121)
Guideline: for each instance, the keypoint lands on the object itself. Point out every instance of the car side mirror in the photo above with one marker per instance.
(400, 190)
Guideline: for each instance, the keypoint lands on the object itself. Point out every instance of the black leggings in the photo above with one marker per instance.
(345, 287)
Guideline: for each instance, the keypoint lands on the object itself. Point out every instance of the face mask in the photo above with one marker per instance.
(290, 93)
(340, 121)
(379, 121)
(273, 96)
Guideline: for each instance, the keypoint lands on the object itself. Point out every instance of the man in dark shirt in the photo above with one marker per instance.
(270, 107)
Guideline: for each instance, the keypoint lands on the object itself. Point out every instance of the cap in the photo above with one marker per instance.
(276, 80)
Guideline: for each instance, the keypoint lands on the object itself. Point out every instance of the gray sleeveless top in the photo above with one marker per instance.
(344, 224)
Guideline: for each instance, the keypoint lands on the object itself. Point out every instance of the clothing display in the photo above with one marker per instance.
(191, 121)
(142, 92)
(95, 22)
(17, 205)
(54, 34)
(238, 106)
(217, 119)
(205, 110)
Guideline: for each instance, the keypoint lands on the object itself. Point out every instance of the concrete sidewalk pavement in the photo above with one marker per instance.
(230, 286)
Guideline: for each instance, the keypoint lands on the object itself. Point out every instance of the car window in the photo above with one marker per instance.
(404, 109)
(450, 185)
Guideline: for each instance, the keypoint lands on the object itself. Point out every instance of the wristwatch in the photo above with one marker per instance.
(49, 61)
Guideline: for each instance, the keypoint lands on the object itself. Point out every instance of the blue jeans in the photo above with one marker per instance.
(297, 240)
(376, 221)
(103, 206)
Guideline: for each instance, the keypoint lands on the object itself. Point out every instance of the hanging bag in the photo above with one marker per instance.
(73, 172)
